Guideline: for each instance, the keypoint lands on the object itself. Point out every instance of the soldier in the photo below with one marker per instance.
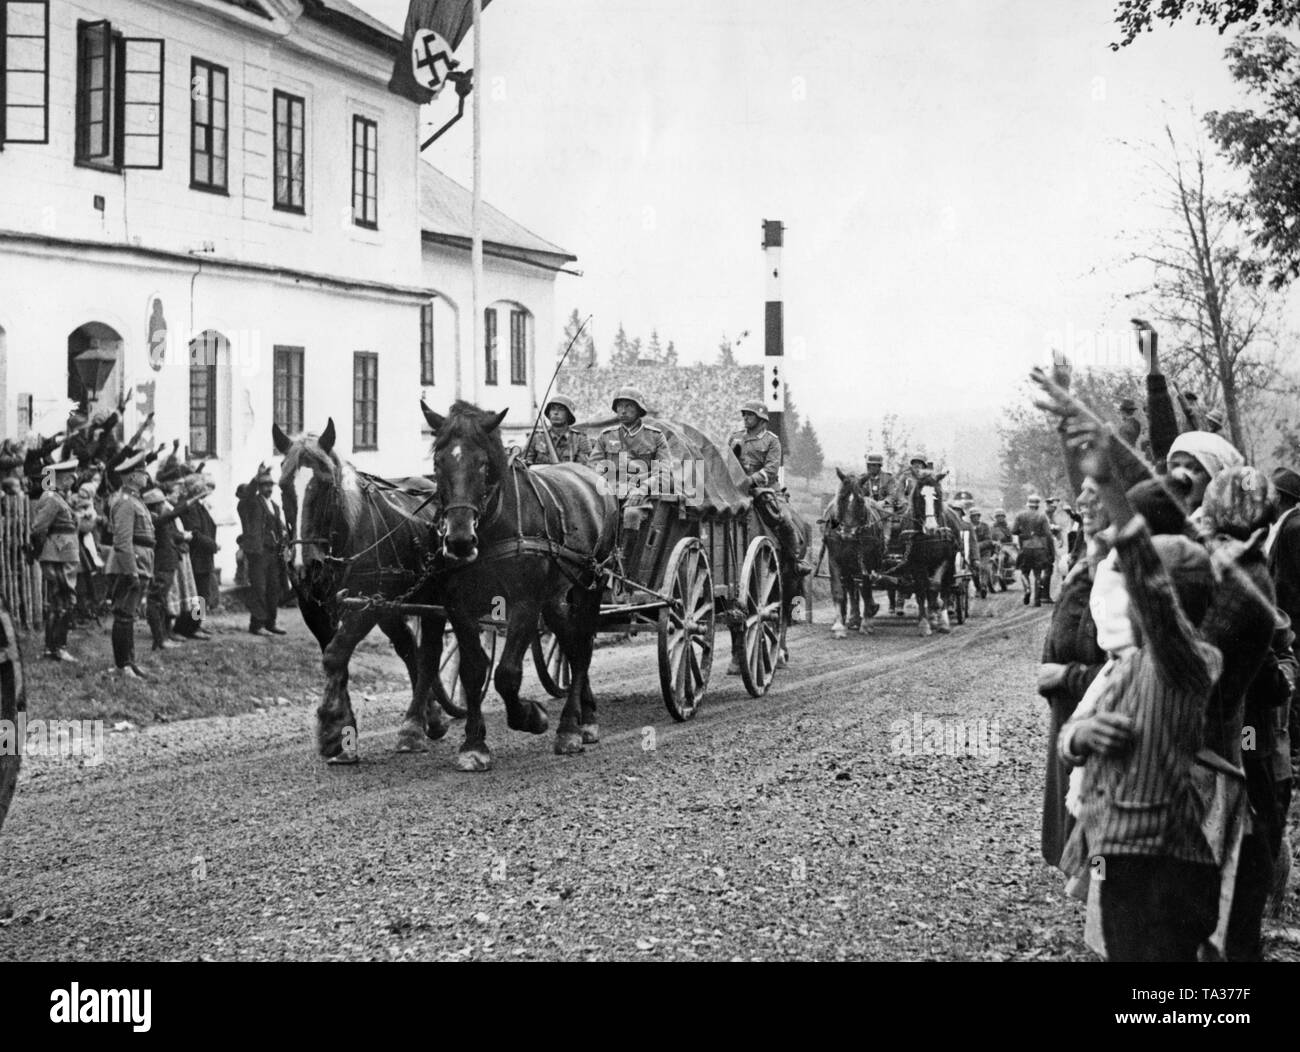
(1000, 530)
(54, 538)
(570, 445)
(1130, 427)
(1214, 422)
(759, 453)
(632, 455)
(984, 546)
(1032, 532)
(130, 565)
(877, 483)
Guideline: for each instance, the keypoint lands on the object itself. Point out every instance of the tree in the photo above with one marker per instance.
(726, 356)
(790, 422)
(622, 353)
(584, 349)
(806, 458)
(1032, 457)
(1135, 16)
(670, 355)
(654, 350)
(634, 351)
(1204, 294)
(893, 444)
(1265, 144)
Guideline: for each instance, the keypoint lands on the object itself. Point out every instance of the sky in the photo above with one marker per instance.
(960, 180)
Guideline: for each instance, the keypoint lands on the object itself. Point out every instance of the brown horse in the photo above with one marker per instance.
(368, 536)
(854, 537)
(536, 539)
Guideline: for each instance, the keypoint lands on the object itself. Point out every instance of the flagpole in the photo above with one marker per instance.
(476, 232)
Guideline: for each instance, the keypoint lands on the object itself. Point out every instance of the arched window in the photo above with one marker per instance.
(106, 344)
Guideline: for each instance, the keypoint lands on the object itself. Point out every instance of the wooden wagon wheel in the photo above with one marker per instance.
(686, 629)
(961, 601)
(448, 687)
(552, 666)
(12, 702)
(763, 631)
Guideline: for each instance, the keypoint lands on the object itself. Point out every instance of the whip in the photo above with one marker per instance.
(542, 404)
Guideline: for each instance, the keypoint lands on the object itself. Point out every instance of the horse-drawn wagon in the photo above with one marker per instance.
(702, 558)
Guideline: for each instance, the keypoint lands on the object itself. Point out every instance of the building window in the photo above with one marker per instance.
(490, 346)
(426, 345)
(203, 406)
(209, 115)
(365, 173)
(518, 347)
(290, 148)
(365, 400)
(24, 72)
(120, 108)
(288, 389)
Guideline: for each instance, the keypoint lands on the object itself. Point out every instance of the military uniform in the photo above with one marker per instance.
(54, 536)
(571, 445)
(759, 453)
(131, 566)
(1032, 528)
(633, 461)
(879, 487)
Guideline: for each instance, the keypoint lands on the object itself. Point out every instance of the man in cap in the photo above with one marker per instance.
(1032, 532)
(1214, 421)
(262, 541)
(1130, 427)
(983, 552)
(166, 559)
(54, 538)
(759, 453)
(632, 455)
(197, 520)
(130, 565)
(560, 442)
(877, 483)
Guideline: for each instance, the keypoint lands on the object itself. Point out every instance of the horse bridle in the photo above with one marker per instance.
(490, 499)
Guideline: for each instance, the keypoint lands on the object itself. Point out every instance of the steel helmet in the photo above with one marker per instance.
(567, 403)
(757, 408)
(630, 394)
(917, 458)
(999, 514)
(975, 513)
(875, 458)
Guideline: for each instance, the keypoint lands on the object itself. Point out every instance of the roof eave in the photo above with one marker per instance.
(350, 27)
(515, 253)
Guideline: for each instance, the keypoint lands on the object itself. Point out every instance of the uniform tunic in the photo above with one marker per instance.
(878, 487)
(133, 536)
(759, 453)
(572, 446)
(55, 524)
(644, 445)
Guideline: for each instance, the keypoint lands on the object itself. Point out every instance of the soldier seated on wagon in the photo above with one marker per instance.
(560, 442)
(759, 453)
(877, 484)
(632, 456)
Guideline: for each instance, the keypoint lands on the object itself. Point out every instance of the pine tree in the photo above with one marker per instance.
(807, 459)
(584, 348)
(621, 354)
(654, 350)
(670, 355)
(726, 356)
(634, 352)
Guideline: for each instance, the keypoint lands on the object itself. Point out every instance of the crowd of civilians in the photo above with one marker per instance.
(1169, 669)
(125, 526)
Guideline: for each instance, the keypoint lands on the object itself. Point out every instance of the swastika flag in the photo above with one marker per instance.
(421, 66)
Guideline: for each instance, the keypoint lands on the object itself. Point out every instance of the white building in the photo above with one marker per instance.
(237, 173)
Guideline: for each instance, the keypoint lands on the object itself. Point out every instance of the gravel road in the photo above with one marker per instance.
(814, 823)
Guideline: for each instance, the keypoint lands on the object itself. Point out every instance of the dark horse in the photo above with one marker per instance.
(929, 567)
(536, 538)
(853, 534)
(369, 536)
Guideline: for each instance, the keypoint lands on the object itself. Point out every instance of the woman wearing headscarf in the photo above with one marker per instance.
(1195, 458)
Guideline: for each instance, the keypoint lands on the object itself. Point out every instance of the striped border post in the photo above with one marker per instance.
(774, 336)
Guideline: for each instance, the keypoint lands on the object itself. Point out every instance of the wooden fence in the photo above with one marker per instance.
(20, 581)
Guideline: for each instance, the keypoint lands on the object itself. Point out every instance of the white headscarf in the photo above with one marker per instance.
(1214, 452)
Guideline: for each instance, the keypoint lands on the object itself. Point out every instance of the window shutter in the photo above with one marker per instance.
(25, 71)
(94, 90)
(142, 106)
